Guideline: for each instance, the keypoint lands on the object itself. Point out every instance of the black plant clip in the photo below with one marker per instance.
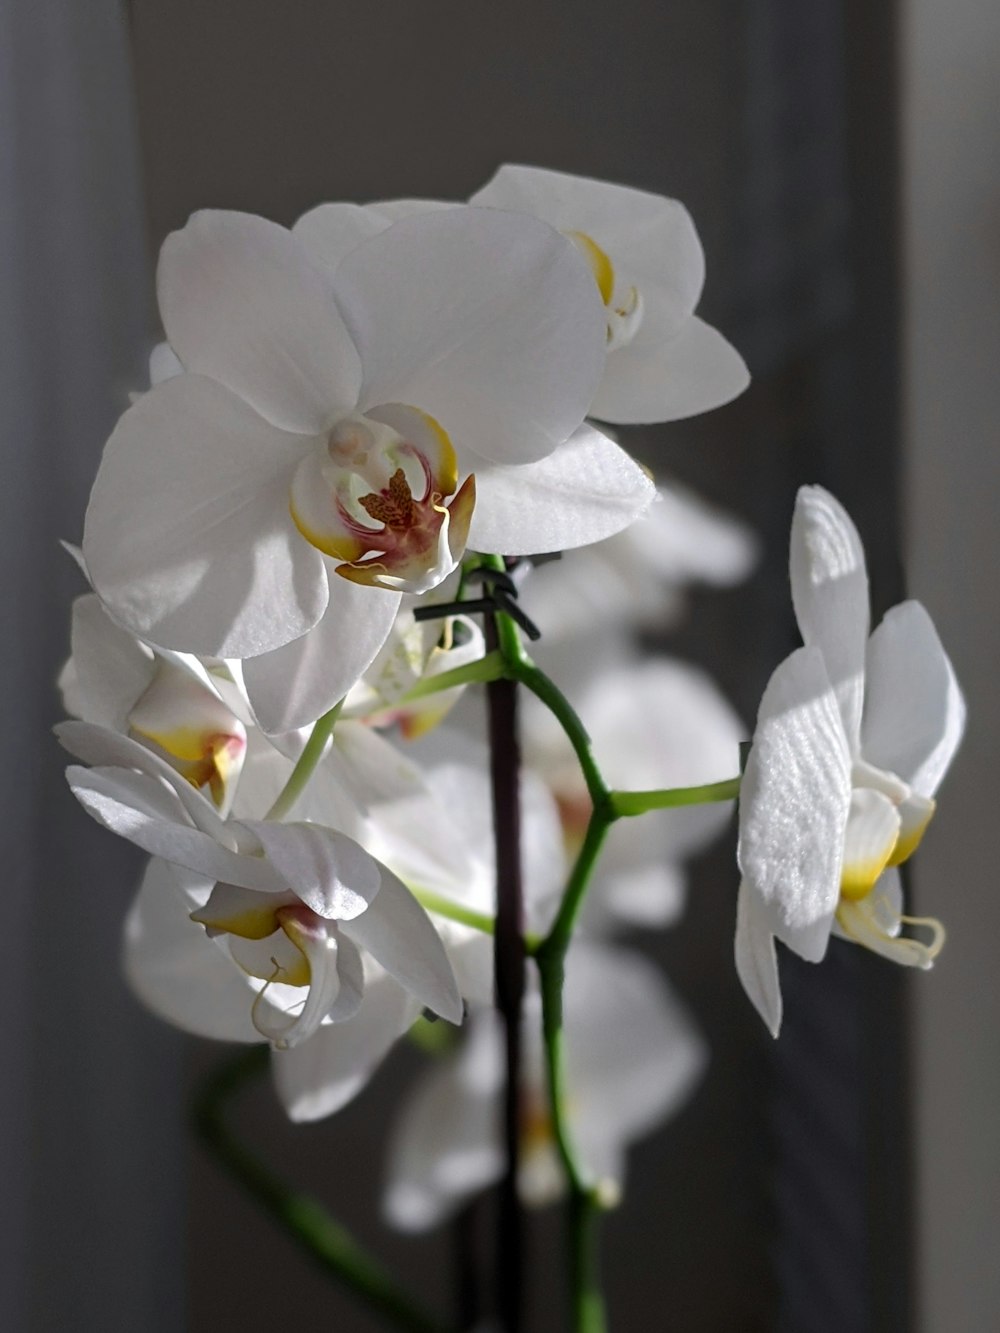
(500, 589)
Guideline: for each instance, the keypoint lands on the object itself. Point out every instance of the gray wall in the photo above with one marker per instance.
(952, 207)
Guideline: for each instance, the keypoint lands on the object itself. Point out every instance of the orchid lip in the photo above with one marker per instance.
(622, 301)
(381, 495)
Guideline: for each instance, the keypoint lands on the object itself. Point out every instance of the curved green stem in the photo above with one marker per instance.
(481, 671)
(465, 916)
(301, 1217)
(305, 767)
(639, 802)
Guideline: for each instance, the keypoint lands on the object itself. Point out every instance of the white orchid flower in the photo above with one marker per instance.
(189, 978)
(169, 701)
(295, 903)
(654, 724)
(337, 440)
(663, 362)
(632, 1059)
(193, 981)
(853, 736)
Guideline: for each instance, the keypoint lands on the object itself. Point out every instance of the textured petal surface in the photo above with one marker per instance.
(176, 970)
(794, 801)
(321, 1075)
(188, 538)
(914, 710)
(488, 321)
(756, 961)
(694, 371)
(584, 491)
(830, 595)
(397, 932)
(296, 684)
(243, 303)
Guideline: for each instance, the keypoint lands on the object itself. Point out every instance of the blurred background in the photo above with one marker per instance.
(839, 159)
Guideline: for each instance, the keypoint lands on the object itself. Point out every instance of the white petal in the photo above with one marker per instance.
(336, 984)
(296, 684)
(397, 932)
(243, 303)
(188, 538)
(446, 1145)
(756, 961)
(633, 1053)
(872, 830)
(695, 371)
(319, 1076)
(331, 231)
(164, 364)
(329, 871)
(488, 321)
(111, 668)
(586, 490)
(144, 811)
(651, 238)
(914, 711)
(830, 595)
(99, 746)
(175, 969)
(794, 801)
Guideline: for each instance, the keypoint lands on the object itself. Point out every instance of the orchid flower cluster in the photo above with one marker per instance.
(312, 533)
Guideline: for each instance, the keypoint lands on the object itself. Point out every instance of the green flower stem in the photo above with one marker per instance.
(308, 761)
(585, 1204)
(482, 671)
(639, 802)
(301, 1217)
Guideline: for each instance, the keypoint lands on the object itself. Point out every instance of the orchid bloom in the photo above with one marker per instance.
(663, 362)
(168, 701)
(295, 903)
(632, 1059)
(853, 736)
(337, 439)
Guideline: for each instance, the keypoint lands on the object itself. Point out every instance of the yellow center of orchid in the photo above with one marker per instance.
(885, 825)
(381, 495)
(622, 300)
(185, 723)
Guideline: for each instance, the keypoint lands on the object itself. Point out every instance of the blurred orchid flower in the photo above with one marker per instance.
(663, 362)
(414, 651)
(295, 903)
(637, 578)
(366, 426)
(633, 1057)
(853, 736)
(654, 724)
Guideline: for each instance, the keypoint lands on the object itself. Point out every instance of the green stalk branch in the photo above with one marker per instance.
(306, 765)
(301, 1217)
(639, 802)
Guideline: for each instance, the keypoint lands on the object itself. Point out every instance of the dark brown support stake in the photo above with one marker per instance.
(466, 1231)
(509, 956)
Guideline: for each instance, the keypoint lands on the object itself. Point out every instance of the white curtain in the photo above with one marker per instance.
(90, 1152)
